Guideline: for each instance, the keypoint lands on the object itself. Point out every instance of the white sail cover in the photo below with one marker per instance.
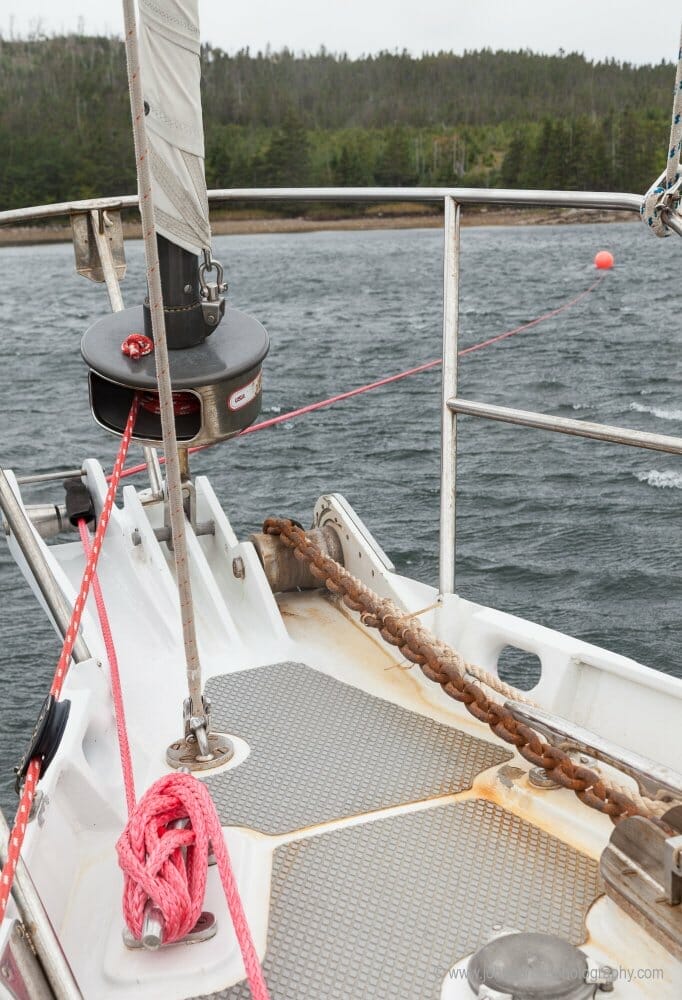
(171, 74)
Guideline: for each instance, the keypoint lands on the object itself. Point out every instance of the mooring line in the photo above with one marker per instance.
(359, 390)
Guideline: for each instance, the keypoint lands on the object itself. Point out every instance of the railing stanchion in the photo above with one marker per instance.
(448, 442)
(25, 536)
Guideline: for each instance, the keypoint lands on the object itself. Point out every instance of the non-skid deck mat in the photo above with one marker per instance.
(322, 750)
(384, 910)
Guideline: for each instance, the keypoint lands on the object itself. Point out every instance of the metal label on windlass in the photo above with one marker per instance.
(242, 397)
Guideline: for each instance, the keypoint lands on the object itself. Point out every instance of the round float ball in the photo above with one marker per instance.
(604, 260)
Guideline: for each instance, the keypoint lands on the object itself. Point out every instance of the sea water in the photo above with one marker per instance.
(578, 535)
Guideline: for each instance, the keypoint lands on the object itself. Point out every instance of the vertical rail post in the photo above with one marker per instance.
(38, 927)
(116, 302)
(448, 433)
(24, 534)
(97, 222)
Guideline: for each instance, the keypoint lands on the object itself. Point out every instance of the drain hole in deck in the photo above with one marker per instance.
(519, 668)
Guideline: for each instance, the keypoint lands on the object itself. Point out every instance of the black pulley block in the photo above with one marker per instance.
(47, 735)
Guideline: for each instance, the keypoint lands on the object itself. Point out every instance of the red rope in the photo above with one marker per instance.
(322, 403)
(534, 322)
(161, 862)
(168, 864)
(16, 838)
(116, 691)
(136, 345)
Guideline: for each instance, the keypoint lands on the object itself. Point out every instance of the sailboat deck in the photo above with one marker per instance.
(378, 832)
(321, 750)
(386, 908)
(386, 905)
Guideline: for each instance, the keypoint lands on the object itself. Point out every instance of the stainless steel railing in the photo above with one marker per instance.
(26, 538)
(548, 422)
(563, 425)
(606, 201)
(452, 200)
(42, 934)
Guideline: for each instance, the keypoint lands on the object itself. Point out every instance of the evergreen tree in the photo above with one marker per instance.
(509, 118)
(350, 168)
(513, 165)
(286, 161)
(394, 167)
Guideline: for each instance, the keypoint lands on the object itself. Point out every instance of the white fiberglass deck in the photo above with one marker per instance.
(528, 839)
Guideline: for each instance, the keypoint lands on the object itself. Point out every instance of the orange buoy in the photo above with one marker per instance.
(604, 260)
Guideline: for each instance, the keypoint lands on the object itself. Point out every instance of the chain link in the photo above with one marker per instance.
(446, 667)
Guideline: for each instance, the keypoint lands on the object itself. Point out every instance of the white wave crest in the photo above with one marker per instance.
(668, 479)
(657, 411)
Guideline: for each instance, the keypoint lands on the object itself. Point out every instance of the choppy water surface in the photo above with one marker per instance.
(574, 534)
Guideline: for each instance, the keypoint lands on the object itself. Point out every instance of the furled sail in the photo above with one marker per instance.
(171, 74)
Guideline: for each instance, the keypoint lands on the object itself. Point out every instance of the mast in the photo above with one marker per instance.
(195, 377)
(170, 51)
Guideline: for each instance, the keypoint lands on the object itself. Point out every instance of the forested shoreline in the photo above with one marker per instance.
(495, 119)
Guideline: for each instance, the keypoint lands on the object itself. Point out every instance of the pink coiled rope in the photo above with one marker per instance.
(160, 861)
(168, 865)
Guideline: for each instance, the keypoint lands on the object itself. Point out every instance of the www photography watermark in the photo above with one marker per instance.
(614, 974)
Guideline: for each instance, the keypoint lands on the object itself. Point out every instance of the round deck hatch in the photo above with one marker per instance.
(531, 967)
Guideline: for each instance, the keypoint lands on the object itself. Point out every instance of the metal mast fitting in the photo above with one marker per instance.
(217, 380)
(189, 315)
(215, 373)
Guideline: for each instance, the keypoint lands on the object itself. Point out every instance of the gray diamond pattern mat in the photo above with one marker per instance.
(323, 750)
(381, 911)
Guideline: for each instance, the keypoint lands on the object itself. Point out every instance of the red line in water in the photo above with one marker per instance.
(322, 403)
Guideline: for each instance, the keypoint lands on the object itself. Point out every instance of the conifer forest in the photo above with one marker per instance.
(495, 119)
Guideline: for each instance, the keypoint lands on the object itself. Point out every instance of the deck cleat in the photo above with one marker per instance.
(152, 932)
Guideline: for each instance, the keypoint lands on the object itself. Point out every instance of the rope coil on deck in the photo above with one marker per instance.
(168, 864)
(162, 861)
(446, 667)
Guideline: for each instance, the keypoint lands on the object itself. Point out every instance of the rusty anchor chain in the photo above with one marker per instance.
(446, 667)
